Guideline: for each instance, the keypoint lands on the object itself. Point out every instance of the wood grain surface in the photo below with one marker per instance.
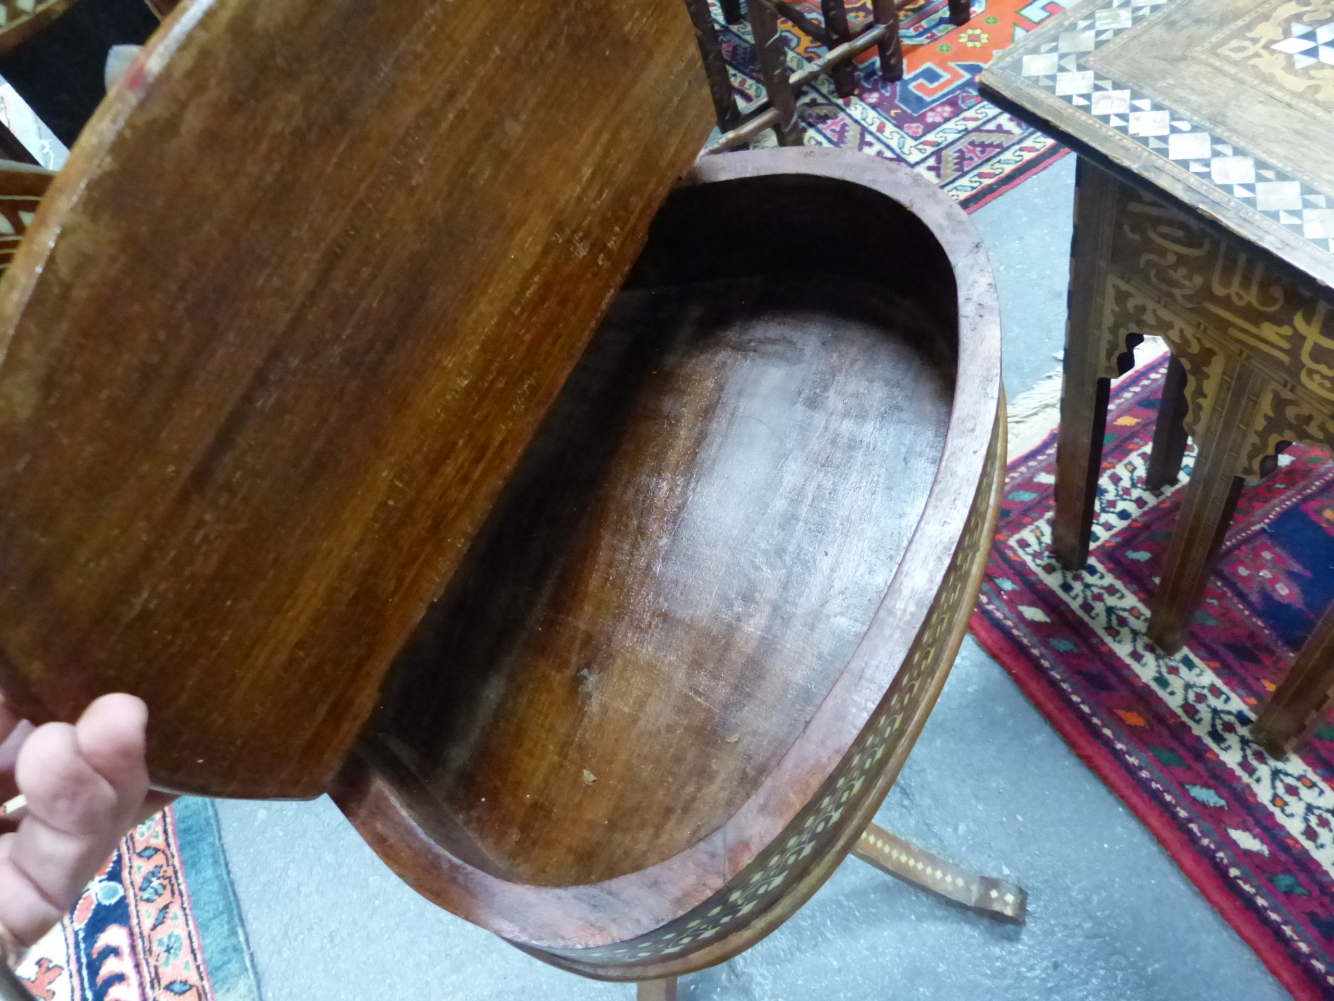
(681, 570)
(279, 333)
(693, 644)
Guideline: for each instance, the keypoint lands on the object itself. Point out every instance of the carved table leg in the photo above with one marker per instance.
(960, 11)
(715, 66)
(1306, 693)
(886, 12)
(1169, 434)
(1092, 356)
(732, 11)
(1225, 443)
(656, 990)
(836, 25)
(773, 68)
(995, 898)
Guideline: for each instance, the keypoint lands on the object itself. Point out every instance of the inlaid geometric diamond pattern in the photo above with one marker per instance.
(1059, 67)
(1308, 45)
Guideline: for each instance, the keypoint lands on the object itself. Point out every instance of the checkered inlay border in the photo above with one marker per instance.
(1059, 67)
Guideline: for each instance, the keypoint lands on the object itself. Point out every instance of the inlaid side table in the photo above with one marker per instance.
(1204, 215)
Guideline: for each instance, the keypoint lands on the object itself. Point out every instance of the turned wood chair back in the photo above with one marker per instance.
(845, 34)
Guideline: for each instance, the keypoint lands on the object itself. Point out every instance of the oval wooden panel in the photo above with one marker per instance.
(281, 329)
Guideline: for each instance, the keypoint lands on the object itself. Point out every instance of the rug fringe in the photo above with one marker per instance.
(1035, 413)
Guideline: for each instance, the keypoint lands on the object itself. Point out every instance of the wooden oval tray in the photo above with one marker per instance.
(685, 658)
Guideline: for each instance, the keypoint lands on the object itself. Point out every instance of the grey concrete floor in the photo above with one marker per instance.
(990, 785)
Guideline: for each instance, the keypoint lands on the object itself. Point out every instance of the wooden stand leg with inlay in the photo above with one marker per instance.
(996, 898)
(1093, 355)
(1191, 252)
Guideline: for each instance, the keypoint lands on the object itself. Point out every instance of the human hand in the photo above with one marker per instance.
(85, 786)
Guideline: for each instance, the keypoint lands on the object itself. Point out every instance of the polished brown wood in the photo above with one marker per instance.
(266, 374)
(682, 663)
(1249, 371)
(886, 13)
(838, 32)
(668, 565)
(1210, 501)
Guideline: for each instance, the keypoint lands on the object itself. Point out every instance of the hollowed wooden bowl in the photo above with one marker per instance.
(688, 653)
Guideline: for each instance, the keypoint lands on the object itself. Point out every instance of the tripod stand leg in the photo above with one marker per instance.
(996, 898)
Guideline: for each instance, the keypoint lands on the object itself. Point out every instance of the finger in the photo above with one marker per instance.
(64, 791)
(85, 785)
(59, 865)
(25, 910)
(73, 821)
(154, 803)
(111, 735)
(9, 752)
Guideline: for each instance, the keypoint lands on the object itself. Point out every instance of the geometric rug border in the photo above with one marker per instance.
(987, 195)
(1040, 690)
(212, 897)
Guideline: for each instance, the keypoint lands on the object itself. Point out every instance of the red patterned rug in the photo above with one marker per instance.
(933, 119)
(159, 923)
(1171, 734)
